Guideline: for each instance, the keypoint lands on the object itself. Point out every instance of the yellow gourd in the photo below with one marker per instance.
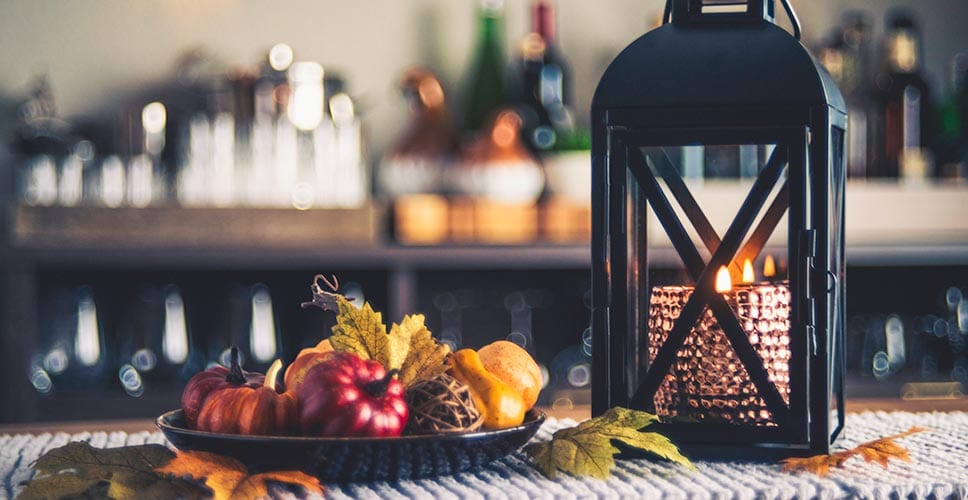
(500, 404)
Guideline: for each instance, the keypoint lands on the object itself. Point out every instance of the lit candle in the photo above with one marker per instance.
(708, 382)
(723, 282)
(748, 272)
(769, 267)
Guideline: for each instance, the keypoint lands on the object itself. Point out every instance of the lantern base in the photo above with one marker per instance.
(729, 442)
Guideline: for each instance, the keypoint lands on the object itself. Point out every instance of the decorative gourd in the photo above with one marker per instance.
(212, 380)
(306, 359)
(515, 367)
(347, 396)
(241, 407)
(501, 405)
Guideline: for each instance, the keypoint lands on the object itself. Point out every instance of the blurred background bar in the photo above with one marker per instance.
(173, 173)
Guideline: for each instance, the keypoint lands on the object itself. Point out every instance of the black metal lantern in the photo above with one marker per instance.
(719, 303)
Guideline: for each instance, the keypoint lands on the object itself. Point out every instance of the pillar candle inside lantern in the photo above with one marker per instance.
(708, 382)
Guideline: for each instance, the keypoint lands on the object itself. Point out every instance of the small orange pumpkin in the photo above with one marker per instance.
(306, 359)
(240, 408)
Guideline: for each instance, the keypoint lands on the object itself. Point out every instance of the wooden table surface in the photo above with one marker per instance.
(577, 413)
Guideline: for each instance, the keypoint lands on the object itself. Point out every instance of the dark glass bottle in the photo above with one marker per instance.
(903, 105)
(952, 149)
(486, 88)
(416, 162)
(545, 79)
(856, 86)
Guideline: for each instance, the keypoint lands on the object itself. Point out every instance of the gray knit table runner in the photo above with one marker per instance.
(939, 469)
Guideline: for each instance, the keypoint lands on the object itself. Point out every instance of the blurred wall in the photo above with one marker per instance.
(98, 52)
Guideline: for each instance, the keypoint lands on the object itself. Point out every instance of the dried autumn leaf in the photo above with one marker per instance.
(817, 464)
(360, 331)
(588, 450)
(879, 450)
(399, 342)
(409, 346)
(229, 479)
(425, 358)
(79, 470)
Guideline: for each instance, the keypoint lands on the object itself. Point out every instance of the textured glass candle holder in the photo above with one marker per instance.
(708, 382)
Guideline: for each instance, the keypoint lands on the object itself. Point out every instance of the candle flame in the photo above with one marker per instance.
(748, 276)
(723, 282)
(769, 267)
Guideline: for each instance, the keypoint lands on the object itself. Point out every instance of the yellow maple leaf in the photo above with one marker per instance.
(229, 479)
(879, 450)
(360, 331)
(408, 347)
(423, 357)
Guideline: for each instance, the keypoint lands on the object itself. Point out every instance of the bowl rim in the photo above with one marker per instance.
(533, 418)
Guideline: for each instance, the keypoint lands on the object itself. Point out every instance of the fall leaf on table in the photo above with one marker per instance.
(79, 470)
(409, 346)
(879, 450)
(229, 479)
(588, 449)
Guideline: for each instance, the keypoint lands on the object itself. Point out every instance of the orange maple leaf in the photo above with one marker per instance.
(879, 450)
(229, 479)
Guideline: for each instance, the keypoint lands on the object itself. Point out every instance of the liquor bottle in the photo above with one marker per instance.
(952, 151)
(856, 86)
(904, 105)
(486, 87)
(545, 80)
(416, 163)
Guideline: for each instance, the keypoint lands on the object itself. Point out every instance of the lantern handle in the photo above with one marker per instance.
(791, 14)
(794, 20)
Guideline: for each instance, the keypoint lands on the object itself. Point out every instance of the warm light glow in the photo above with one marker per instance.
(431, 93)
(154, 117)
(306, 102)
(262, 329)
(341, 109)
(748, 276)
(506, 127)
(769, 267)
(280, 57)
(87, 343)
(174, 337)
(723, 282)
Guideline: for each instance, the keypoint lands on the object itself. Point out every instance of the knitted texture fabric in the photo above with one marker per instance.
(939, 469)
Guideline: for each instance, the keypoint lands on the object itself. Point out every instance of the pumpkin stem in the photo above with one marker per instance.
(235, 376)
(272, 375)
(378, 388)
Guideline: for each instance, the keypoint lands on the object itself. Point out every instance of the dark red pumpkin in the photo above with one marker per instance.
(347, 396)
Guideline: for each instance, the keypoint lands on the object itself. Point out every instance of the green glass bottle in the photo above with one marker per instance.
(486, 87)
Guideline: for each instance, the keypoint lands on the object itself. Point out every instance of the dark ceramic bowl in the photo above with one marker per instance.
(341, 460)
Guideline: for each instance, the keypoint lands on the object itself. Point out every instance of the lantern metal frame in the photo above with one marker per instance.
(801, 111)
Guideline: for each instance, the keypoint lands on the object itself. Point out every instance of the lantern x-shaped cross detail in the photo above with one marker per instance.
(723, 254)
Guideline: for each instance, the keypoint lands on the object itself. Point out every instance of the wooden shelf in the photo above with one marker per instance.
(887, 224)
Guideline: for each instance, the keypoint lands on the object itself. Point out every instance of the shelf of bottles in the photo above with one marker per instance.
(284, 134)
(898, 126)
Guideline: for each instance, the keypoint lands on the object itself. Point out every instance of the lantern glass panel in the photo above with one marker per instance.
(707, 380)
(836, 314)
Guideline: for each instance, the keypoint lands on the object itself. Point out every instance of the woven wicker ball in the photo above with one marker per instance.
(441, 404)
